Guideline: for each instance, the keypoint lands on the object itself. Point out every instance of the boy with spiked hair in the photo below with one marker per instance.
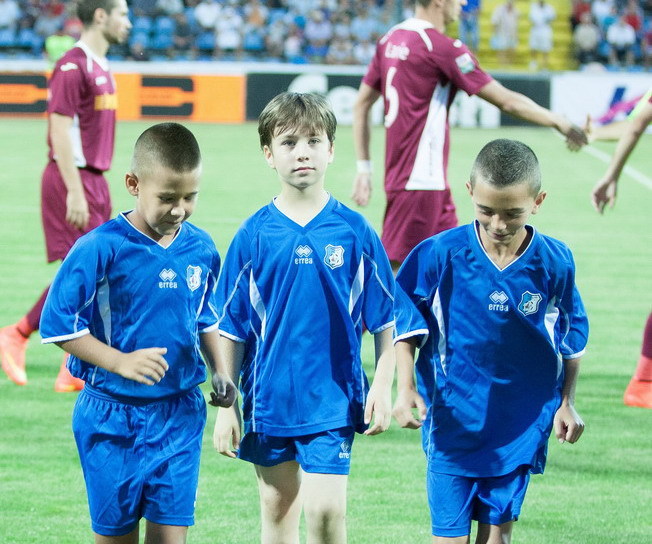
(501, 329)
(133, 305)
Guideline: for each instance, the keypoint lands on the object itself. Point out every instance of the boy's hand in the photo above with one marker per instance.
(379, 405)
(406, 401)
(224, 391)
(568, 424)
(227, 431)
(146, 366)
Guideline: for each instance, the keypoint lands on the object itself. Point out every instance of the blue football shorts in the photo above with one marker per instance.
(327, 452)
(139, 460)
(456, 500)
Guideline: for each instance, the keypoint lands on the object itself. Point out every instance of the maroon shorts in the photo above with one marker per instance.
(59, 234)
(413, 216)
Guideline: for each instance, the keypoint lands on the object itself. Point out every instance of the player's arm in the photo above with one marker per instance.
(407, 397)
(224, 391)
(521, 106)
(604, 192)
(568, 424)
(379, 399)
(228, 423)
(77, 213)
(366, 98)
(146, 366)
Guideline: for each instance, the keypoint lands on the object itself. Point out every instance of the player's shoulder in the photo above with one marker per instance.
(72, 60)
(552, 249)
(350, 216)
(200, 235)
(423, 33)
(256, 221)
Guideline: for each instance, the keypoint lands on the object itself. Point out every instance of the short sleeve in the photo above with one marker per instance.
(66, 89)
(208, 316)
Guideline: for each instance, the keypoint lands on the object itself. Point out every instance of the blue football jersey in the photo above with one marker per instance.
(491, 369)
(131, 293)
(298, 297)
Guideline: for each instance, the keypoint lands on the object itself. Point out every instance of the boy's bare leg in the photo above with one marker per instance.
(324, 505)
(165, 534)
(494, 534)
(131, 538)
(280, 502)
(450, 540)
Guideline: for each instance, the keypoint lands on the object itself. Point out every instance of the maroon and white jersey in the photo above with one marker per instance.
(418, 70)
(82, 87)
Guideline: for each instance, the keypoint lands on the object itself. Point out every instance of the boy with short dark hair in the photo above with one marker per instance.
(133, 305)
(503, 329)
(300, 278)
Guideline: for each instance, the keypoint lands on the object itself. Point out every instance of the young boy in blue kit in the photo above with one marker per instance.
(501, 329)
(300, 277)
(133, 305)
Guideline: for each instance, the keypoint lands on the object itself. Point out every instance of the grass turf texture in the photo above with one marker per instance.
(597, 491)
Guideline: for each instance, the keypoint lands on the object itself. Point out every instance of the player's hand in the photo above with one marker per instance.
(604, 194)
(146, 366)
(361, 189)
(228, 431)
(77, 213)
(406, 402)
(575, 138)
(568, 424)
(379, 406)
(224, 391)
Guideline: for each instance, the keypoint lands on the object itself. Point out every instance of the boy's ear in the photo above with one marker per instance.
(131, 182)
(269, 157)
(538, 201)
(469, 188)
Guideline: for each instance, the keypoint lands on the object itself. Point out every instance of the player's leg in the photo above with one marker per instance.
(324, 506)
(639, 389)
(279, 489)
(494, 534)
(131, 538)
(451, 499)
(165, 534)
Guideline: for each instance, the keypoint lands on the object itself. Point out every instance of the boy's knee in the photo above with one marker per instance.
(325, 515)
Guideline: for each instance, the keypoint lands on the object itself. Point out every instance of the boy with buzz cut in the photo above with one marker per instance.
(502, 330)
(133, 305)
(301, 277)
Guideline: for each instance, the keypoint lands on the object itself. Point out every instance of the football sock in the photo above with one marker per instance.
(33, 317)
(24, 328)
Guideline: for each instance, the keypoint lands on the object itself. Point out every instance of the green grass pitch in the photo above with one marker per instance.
(595, 492)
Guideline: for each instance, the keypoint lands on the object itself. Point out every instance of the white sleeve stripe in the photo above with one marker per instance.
(232, 337)
(574, 355)
(235, 288)
(383, 327)
(65, 337)
(211, 328)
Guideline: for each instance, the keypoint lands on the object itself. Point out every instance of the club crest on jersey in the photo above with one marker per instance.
(167, 276)
(334, 257)
(499, 301)
(529, 303)
(345, 450)
(303, 255)
(193, 277)
(465, 63)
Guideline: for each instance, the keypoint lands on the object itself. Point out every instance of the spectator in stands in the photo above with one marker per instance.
(363, 24)
(207, 12)
(579, 8)
(143, 8)
(169, 7)
(601, 9)
(633, 15)
(293, 45)
(364, 51)
(183, 37)
(541, 16)
(315, 51)
(228, 33)
(586, 39)
(340, 51)
(622, 40)
(469, 24)
(342, 24)
(646, 46)
(275, 39)
(255, 14)
(10, 14)
(48, 22)
(505, 36)
(137, 51)
(72, 26)
(318, 29)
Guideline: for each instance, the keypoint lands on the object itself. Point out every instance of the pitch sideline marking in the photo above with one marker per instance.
(629, 170)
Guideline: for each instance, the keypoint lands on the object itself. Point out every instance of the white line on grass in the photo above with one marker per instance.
(629, 170)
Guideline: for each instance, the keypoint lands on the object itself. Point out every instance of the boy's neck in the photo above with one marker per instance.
(302, 206)
(503, 255)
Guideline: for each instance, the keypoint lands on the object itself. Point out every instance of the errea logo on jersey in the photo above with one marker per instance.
(303, 255)
(345, 450)
(167, 276)
(498, 301)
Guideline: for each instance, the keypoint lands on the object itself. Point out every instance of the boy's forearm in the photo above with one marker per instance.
(571, 373)
(233, 353)
(211, 350)
(90, 349)
(405, 350)
(385, 357)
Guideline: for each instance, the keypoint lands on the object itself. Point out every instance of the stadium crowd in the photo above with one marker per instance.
(613, 32)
